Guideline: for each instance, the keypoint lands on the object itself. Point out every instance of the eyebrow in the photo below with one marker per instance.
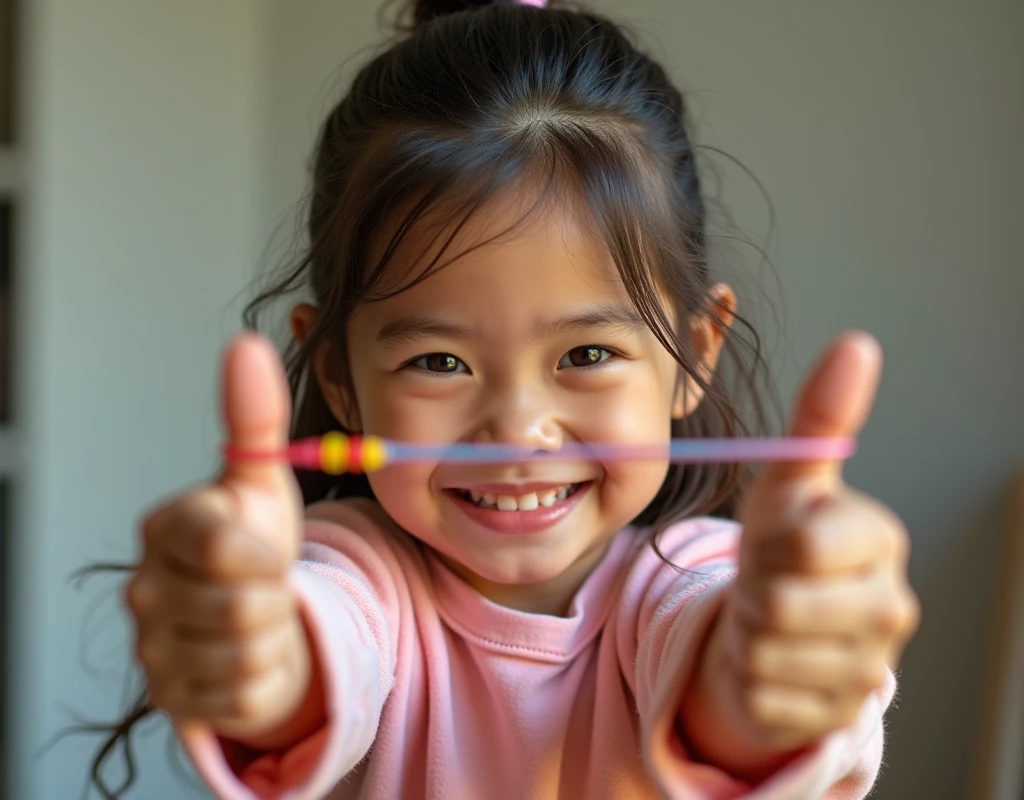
(422, 326)
(608, 316)
(623, 319)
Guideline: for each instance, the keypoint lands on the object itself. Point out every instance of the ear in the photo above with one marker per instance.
(708, 330)
(335, 393)
(301, 320)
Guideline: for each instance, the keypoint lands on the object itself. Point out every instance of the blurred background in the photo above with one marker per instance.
(151, 158)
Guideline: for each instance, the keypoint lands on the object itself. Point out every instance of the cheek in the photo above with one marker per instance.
(396, 415)
(410, 410)
(641, 412)
(628, 488)
(636, 411)
(404, 491)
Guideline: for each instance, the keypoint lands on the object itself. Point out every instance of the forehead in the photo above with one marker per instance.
(520, 255)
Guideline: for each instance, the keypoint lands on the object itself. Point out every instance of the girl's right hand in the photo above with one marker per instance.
(218, 631)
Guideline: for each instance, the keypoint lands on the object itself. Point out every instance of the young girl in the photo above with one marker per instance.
(508, 245)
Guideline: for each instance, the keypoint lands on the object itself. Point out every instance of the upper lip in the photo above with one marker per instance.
(514, 488)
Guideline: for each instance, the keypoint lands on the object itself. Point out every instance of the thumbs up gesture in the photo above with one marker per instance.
(217, 629)
(821, 607)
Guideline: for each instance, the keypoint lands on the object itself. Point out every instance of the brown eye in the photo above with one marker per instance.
(444, 363)
(586, 356)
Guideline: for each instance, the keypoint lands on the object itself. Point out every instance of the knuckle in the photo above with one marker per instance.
(889, 619)
(246, 701)
(898, 618)
(156, 522)
(912, 612)
(253, 656)
(150, 528)
(140, 595)
(891, 533)
(870, 674)
(149, 653)
(895, 538)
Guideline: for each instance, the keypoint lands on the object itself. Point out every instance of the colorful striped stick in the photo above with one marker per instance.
(337, 453)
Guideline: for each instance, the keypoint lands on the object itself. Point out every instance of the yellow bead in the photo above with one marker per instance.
(334, 453)
(374, 454)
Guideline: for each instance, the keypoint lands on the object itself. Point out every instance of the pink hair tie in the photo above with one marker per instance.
(535, 3)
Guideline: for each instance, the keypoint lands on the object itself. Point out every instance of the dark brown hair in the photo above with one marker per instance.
(477, 98)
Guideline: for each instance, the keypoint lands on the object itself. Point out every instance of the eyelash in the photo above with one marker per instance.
(415, 362)
(611, 354)
(437, 373)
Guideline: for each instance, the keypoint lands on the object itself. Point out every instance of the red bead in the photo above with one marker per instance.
(355, 455)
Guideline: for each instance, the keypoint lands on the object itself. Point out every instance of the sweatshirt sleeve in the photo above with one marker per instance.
(677, 609)
(347, 593)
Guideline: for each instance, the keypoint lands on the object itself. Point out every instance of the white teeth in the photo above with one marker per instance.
(507, 503)
(524, 502)
(528, 502)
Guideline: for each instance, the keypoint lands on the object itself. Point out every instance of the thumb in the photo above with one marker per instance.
(256, 409)
(834, 401)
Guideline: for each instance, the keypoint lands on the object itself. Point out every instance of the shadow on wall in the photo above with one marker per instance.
(930, 665)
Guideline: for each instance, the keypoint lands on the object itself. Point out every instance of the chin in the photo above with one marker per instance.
(521, 569)
(520, 574)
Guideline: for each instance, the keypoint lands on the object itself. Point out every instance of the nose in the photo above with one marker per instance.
(525, 418)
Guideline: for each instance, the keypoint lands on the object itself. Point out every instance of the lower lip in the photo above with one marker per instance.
(513, 522)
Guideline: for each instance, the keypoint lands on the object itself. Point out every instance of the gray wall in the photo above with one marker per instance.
(170, 143)
(888, 135)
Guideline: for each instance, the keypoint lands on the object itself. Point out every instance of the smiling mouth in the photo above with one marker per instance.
(530, 501)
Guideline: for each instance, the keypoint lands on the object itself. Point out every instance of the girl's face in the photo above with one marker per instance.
(530, 340)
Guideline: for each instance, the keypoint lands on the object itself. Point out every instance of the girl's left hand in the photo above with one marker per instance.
(821, 608)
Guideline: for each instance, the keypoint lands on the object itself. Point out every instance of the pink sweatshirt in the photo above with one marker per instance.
(435, 692)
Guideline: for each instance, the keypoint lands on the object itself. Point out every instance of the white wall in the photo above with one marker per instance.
(142, 128)
(166, 136)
